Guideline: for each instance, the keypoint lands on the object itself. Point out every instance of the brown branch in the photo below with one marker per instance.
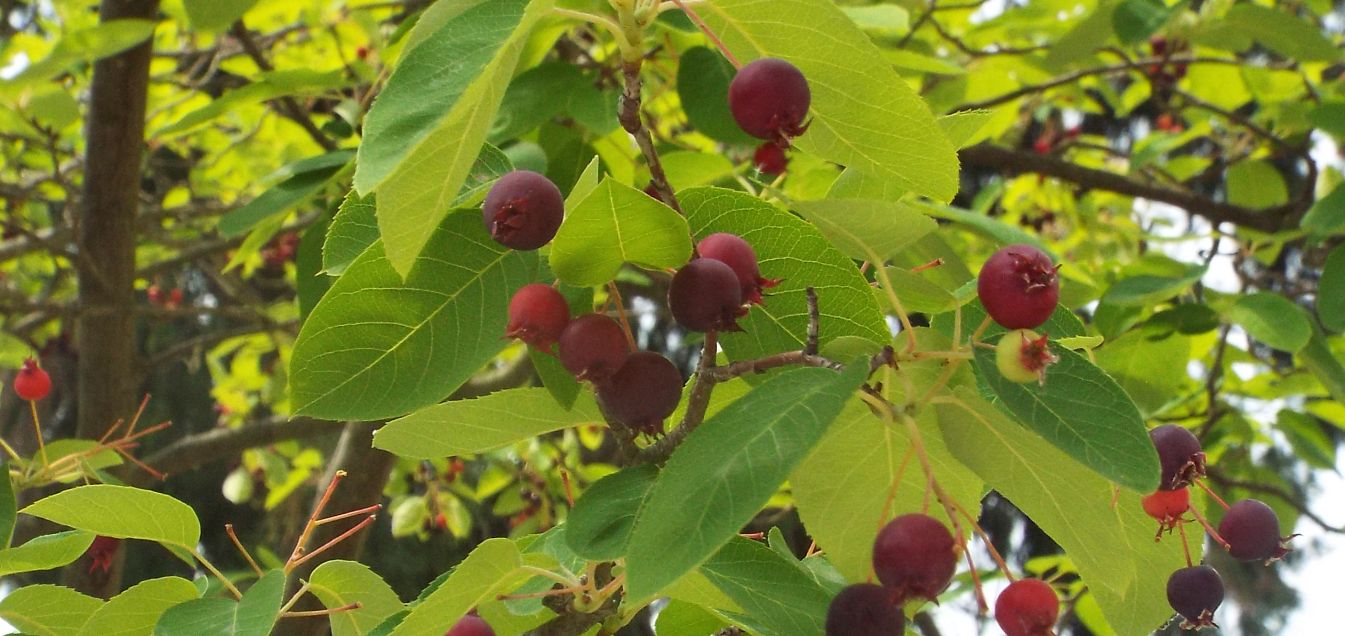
(224, 443)
(1014, 161)
(288, 106)
(633, 123)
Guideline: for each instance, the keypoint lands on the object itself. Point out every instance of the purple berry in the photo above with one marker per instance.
(769, 99)
(1252, 531)
(1179, 454)
(642, 393)
(915, 556)
(705, 295)
(593, 347)
(864, 609)
(1195, 593)
(523, 210)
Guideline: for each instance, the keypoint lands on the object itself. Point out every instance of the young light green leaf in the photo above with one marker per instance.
(613, 225)
(1272, 319)
(8, 506)
(254, 615)
(753, 444)
(341, 583)
(425, 129)
(45, 552)
(864, 229)
(464, 427)
(85, 45)
(284, 195)
(792, 250)
(353, 230)
(1084, 413)
(964, 128)
(215, 15)
(681, 617)
(376, 346)
(777, 596)
(122, 512)
(1256, 184)
(135, 611)
(49, 610)
(491, 569)
(917, 293)
(1277, 30)
(1110, 540)
(600, 524)
(864, 115)
(266, 86)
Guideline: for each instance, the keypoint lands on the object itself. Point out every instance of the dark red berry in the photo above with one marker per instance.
(593, 347)
(1179, 454)
(915, 556)
(1028, 607)
(642, 393)
(732, 250)
(32, 383)
(101, 552)
(1252, 531)
(174, 298)
(704, 295)
(1195, 593)
(471, 625)
(864, 609)
(537, 315)
(523, 210)
(155, 295)
(1167, 507)
(1018, 287)
(769, 99)
(770, 159)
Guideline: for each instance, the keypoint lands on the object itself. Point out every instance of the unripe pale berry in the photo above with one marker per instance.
(1179, 454)
(864, 609)
(1028, 607)
(537, 315)
(915, 556)
(523, 210)
(471, 625)
(769, 99)
(593, 347)
(1195, 593)
(1018, 287)
(732, 250)
(1252, 531)
(1022, 356)
(642, 393)
(705, 294)
(32, 383)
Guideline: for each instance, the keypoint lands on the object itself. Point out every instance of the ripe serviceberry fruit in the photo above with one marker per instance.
(1195, 593)
(1028, 607)
(32, 383)
(915, 556)
(642, 393)
(769, 99)
(1253, 532)
(1022, 356)
(864, 609)
(1019, 287)
(537, 315)
(770, 159)
(101, 552)
(705, 294)
(732, 250)
(471, 625)
(523, 210)
(593, 347)
(1179, 454)
(1167, 507)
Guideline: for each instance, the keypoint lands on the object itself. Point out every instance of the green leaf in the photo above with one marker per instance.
(1272, 319)
(1084, 413)
(864, 116)
(1330, 117)
(377, 347)
(85, 45)
(752, 445)
(491, 569)
(341, 583)
(600, 524)
(465, 427)
(867, 230)
(1277, 30)
(1110, 540)
(1136, 20)
(216, 15)
(681, 617)
(424, 131)
(988, 226)
(792, 250)
(1149, 290)
(617, 224)
(1130, 361)
(1318, 358)
(353, 230)
(778, 598)
(310, 283)
(121, 512)
(45, 552)
(1076, 46)
(919, 294)
(880, 19)
(1330, 292)
(964, 127)
(47, 610)
(135, 611)
(306, 182)
(254, 615)
(703, 78)
(535, 96)
(1327, 214)
(268, 85)
(1256, 184)
(8, 506)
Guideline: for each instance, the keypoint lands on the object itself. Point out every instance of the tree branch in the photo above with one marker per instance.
(224, 443)
(634, 124)
(288, 106)
(1279, 493)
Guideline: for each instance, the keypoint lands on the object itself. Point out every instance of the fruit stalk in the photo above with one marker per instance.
(632, 121)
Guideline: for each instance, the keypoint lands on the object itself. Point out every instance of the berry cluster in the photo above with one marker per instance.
(769, 99)
(1250, 530)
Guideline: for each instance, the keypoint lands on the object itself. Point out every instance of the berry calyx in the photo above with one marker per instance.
(769, 99)
(915, 556)
(537, 315)
(32, 383)
(1252, 531)
(1195, 593)
(732, 250)
(1167, 508)
(705, 294)
(471, 625)
(642, 393)
(1028, 607)
(101, 552)
(864, 609)
(1022, 356)
(1179, 454)
(593, 347)
(770, 159)
(523, 210)
(1018, 287)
